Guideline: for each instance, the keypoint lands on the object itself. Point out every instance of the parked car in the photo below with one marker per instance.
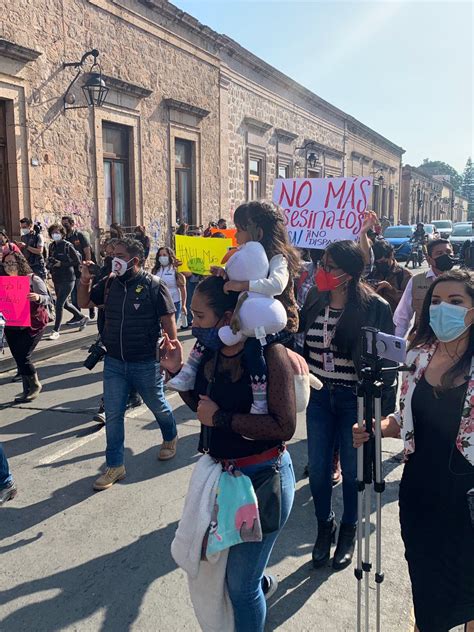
(461, 232)
(399, 237)
(444, 227)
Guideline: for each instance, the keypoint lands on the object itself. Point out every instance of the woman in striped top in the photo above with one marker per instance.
(332, 317)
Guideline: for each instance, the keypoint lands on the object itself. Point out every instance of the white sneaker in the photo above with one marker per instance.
(259, 408)
(54, 335)
(82, 323)
(183, 382)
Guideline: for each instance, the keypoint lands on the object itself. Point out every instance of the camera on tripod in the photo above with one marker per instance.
(377, 346)
(96, 352)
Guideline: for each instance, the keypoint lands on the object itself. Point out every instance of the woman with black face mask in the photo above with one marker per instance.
(387, 278)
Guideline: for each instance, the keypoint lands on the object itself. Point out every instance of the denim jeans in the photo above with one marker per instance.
(5, 477)
(330, 415)
(119, 378)
(246, 562)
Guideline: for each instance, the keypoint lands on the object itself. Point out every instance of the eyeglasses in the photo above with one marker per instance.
(10, 264)
(327, 267)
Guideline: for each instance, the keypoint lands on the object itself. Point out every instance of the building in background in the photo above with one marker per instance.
(426, 198)
(192, 125)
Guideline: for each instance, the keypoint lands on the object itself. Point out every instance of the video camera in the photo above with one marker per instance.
(37, 227)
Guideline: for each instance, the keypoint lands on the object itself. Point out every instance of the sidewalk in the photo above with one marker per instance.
(69, 340)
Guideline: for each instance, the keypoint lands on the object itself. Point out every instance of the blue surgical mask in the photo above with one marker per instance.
(448, 321)
(208, 337)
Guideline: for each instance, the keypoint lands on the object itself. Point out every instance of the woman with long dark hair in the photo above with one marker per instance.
(332, 317)
(253, 444)
(22, 341)
(166, 267)
(436, 421)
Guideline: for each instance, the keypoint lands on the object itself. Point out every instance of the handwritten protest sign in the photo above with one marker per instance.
(229, 233)
(13, 302)
(319, 211)
(198, 254)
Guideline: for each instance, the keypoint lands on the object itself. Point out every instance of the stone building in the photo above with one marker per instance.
(427, 198)
(192, 125)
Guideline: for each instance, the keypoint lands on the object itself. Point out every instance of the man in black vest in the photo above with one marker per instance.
(136, 306)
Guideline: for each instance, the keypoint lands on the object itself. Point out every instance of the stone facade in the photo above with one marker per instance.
(428, 198)
(172, 81)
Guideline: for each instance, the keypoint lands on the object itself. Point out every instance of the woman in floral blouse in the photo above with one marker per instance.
(436, 422)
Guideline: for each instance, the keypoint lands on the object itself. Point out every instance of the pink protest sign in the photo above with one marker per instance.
(13, 302)
(321, 210)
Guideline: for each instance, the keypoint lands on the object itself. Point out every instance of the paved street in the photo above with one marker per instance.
(73, 559)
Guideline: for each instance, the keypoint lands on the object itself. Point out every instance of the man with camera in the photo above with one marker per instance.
(82, 244)
(136, 307)
(440, 257)
(32, 246)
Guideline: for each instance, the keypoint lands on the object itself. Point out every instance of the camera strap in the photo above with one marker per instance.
(206, 430)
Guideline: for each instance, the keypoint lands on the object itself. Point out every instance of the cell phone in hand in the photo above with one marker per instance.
(94, 269)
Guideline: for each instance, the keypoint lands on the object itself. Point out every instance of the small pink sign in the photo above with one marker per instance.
(13, 302)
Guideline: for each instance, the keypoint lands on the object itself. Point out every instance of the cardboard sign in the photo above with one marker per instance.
(198, 254)
(13, 302)
(228, 232)
(319, 211)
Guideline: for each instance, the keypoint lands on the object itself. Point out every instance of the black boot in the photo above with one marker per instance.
(34, 387)
(322, 547)
(22, 397)
(345, 546)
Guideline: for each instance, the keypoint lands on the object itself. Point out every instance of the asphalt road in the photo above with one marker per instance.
(72, 559)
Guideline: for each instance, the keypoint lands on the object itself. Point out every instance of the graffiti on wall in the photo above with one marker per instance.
(157, 234)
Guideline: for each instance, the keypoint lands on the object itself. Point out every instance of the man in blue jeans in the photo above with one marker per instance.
(8, 488)
(136, 306)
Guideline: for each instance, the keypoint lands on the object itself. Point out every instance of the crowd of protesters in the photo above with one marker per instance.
(328, 296)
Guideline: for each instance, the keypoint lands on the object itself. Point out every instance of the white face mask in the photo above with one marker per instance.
(119, 266)
(164, 261)
(57, 236)
(24, 231)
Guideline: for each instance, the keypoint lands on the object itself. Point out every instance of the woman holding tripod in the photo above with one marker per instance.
(332, 317)
(436, 422)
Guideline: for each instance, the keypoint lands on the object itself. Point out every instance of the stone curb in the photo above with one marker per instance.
(45, 352)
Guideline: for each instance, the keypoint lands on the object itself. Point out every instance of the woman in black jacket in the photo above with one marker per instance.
(332, 317)
(63, 259)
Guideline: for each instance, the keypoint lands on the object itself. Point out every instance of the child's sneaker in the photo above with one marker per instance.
(184, 381)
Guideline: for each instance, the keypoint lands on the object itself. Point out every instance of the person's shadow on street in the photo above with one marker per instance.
(115, 583)
(141, 467)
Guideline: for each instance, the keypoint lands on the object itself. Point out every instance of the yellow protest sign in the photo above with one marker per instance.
(198, 254)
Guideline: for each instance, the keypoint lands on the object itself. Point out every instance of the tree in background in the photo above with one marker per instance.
(468, 188)
(440, 168)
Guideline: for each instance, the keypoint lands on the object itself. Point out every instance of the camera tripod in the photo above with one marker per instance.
(369, 473)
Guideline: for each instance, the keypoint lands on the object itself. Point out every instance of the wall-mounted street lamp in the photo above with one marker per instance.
(94, 89)
(311, 156)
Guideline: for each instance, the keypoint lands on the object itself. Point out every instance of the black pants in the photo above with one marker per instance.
(63, 289)
(22, 344)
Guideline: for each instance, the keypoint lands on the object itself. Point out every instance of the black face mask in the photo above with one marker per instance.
(444, 262)
(383, 267)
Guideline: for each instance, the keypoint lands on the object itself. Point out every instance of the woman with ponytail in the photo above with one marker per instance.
(334, 312)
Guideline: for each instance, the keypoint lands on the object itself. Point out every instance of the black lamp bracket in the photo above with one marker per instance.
(78, 64)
